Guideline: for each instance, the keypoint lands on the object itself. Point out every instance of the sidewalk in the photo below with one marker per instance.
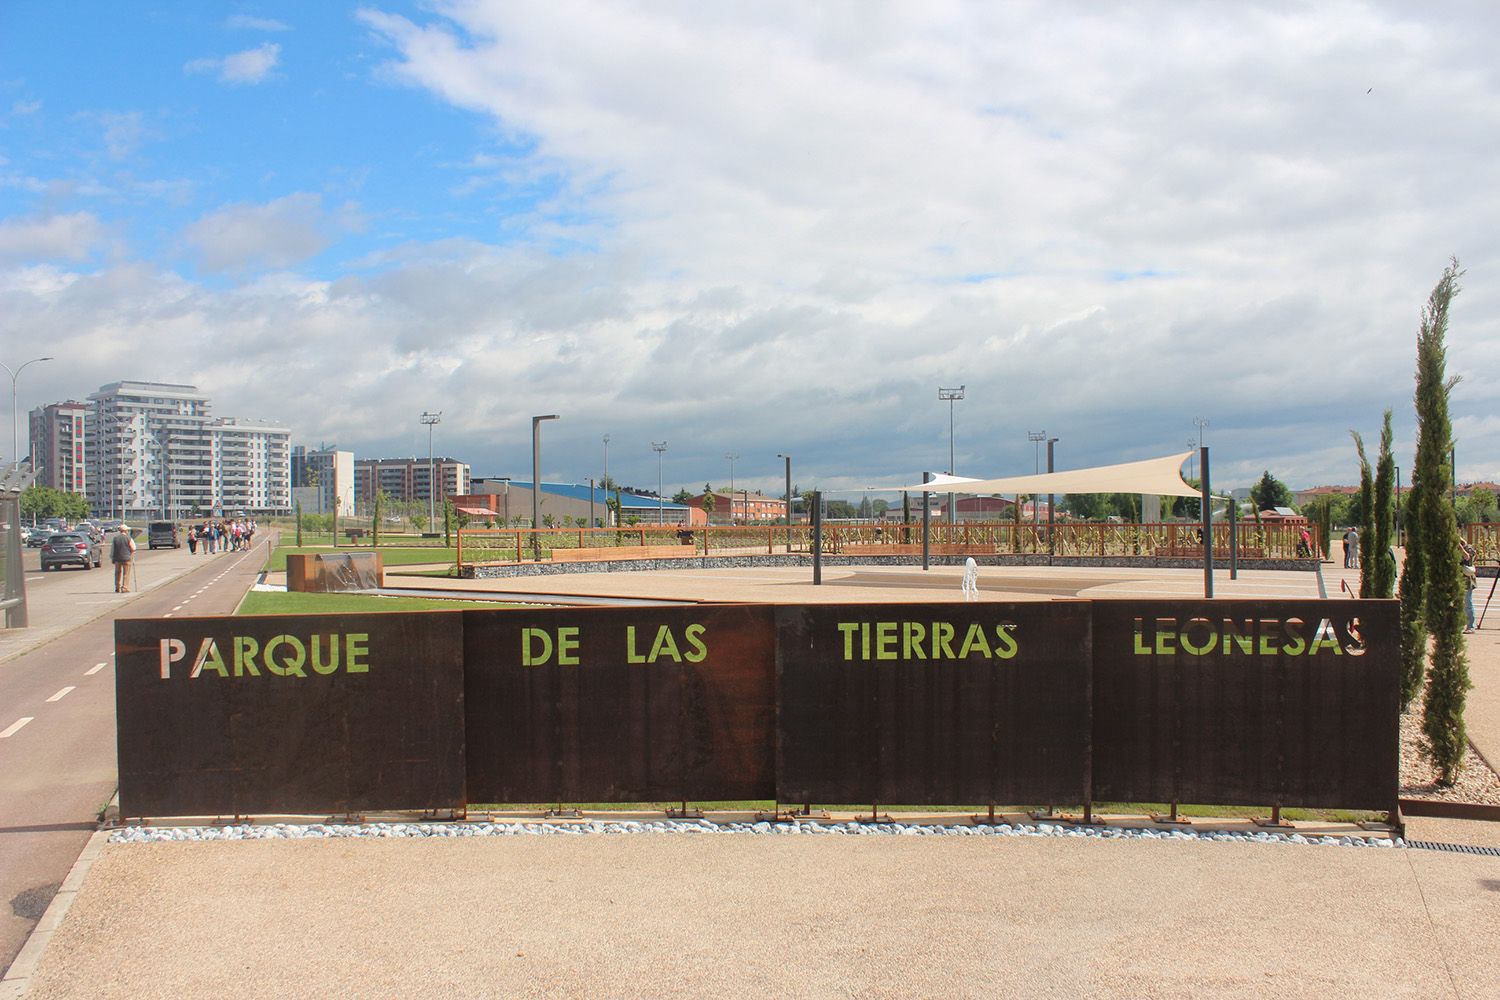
(804, 916)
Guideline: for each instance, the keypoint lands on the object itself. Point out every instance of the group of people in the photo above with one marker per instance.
(215, 535)
(1466, 563)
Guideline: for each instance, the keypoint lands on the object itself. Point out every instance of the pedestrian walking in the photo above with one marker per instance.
(1471, 583)
(121, 552)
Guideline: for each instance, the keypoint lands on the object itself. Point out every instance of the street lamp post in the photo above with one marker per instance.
(1051, 518)
(731, 458)
(659, 448)
(15, 420)
(536, 481)
(1200, 422)
(950, 395)
(1036, 438)
(431, 419)
(788, 459)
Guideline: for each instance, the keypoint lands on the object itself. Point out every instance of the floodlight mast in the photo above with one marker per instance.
(429, 419)
(950, 395)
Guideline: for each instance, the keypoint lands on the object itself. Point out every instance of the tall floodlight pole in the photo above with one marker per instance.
(605, 484)
(15, 419)
(1192, 458)
(950, 395)
(659, 448)
(1036, 438)
(430, 419)
(1200, 422)
(536, 480)
(731, 458)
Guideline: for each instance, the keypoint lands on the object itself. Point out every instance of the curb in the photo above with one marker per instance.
(17, 981)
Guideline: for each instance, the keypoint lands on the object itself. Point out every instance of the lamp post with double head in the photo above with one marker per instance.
(15, 425)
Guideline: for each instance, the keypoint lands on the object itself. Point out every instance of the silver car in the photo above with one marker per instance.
(72, 549)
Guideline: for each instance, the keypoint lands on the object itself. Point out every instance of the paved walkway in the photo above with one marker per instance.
(798, 915)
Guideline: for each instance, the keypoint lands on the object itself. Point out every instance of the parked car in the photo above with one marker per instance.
(72, 549)
(162, 535)
(37, 537)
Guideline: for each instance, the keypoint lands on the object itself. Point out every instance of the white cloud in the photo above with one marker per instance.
(71, 237)
(245, 22)
(25, 107)
(250, 67)
(781, 227)
(277, 234)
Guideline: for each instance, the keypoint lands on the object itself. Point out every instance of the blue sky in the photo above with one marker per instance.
(759, 229)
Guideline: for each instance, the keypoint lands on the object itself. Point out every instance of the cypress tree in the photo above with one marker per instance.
(1443, 708)
(1377, 548)
(1366, 517)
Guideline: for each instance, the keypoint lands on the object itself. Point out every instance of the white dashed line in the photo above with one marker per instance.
(91, 671)
(62, 694)
(16, 727)
(179, 607)
(167, 615)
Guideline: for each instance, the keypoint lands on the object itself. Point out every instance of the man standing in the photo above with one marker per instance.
(121, 551)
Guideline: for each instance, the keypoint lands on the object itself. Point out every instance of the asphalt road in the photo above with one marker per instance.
(57, 712)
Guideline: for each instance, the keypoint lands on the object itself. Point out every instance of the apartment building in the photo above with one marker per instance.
(327, 474)
(59, 448)
(156, 450)
(410, 478)
(251, 465)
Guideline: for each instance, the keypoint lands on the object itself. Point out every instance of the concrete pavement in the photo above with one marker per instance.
(798, 915)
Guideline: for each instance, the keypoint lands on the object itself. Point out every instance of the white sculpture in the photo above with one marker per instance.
(971, 579)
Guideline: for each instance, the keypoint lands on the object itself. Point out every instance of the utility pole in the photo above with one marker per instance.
(430, 419)
(605, 484)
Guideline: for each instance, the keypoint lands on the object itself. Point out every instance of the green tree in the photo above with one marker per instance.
(681, 496)
(1477, 508)
(1367, 522)
(419, 520)
(298, 506)
(709, 500)
(1270, 493)
(1437, 536)
(378, 506)
(866, 509)
(1376, 548)
(448, 513)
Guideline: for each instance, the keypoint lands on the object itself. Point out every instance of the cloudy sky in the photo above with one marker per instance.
(761, 228)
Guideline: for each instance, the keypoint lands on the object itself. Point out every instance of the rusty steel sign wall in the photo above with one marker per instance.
(316, 713)
(1247, 702)
(934, 704)
(620, 704)
(1215, 702)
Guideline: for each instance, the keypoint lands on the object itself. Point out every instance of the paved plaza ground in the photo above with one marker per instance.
(804, 916)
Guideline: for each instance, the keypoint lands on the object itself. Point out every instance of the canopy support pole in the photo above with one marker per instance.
(1206, 503)
(926, 525)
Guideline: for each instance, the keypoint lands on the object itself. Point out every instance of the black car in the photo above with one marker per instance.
(72, 549)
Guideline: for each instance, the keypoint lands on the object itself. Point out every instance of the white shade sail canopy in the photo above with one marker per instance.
(1151, 477)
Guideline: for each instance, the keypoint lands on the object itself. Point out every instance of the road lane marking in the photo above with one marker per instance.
(16, 728)
(179, 607)
(91, 671)
(61, 694)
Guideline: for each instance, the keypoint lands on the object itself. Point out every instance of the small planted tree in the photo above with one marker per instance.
(1367, 516)
(1376, 548)
(1447, 687)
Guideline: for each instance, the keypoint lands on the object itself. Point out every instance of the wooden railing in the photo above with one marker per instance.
(1165, 540)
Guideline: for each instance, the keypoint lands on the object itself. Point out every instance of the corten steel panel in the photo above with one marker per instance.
(1308, 715)
(238, 741)
(922, 723)
(655, 704)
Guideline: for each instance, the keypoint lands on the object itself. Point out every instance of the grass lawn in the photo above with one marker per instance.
(392, 556)
(267, 602)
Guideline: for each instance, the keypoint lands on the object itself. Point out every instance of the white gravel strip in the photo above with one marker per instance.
(316, 831)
